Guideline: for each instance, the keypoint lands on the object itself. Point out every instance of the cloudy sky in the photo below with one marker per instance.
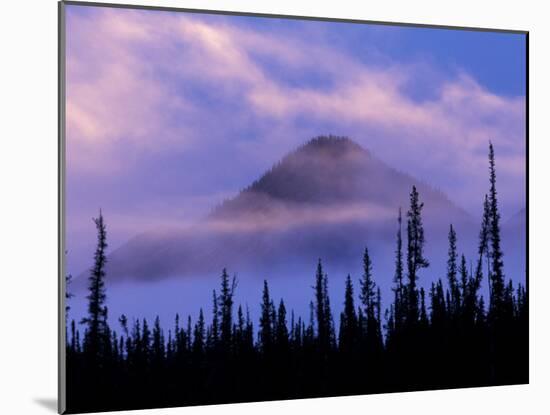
(170, 113)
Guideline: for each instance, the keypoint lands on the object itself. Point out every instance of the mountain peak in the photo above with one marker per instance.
(329, 171)
(335, 145)
(323, 169)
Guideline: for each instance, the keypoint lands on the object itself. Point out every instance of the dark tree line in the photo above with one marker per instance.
(448, 336)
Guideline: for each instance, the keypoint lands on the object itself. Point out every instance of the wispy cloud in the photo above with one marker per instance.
(282, 217)
(128, 74)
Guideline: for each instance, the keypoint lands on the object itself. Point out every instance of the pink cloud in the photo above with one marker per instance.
(114, 96)
(283, 216)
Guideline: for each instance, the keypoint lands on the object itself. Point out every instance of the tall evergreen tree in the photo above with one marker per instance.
(325, 326)
(146, 341)
(158, 350)
(96, 320)
(497, 273)
(169, 348)
(297, 336)
(465, 283)
(189, 334)
(198, 334)
(319, 302)
(349, 334)
(328, 314)
(266, 334)
(215, 328)
(249, 332)
(438, 315)
(179, 338)
(370, 300)
(281, 331)
(399, 306)
(483, 247)
(368, 288)
(415, 253)
(225, 304)
(452, 271)
(239, 330)
(309, 330)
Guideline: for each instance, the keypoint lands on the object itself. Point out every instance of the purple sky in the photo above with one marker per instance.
(170, 113)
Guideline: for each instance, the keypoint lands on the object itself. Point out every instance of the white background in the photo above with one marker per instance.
(28, 203)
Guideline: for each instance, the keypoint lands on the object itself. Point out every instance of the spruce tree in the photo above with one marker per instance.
(215, 329)
(452, 271)
(281, 331)
(370, 298)
(249, 332)
(348, 321)
(158, 351)
(415, 254)
(398, 290)
(465, 282)
(328, 314)
(325, 325)
(483, 246)
(146, 342)
(368, 288)
(309, 330)
(438, 315)
(179, 338)
(169, 348)
(198, 335)
(497, 272)
(189, 334)
(322, 332)
(96, 321)
(133, 345)
(225, 304)
(266, 321)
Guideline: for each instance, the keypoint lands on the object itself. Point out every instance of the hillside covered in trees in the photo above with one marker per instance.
(445, 335)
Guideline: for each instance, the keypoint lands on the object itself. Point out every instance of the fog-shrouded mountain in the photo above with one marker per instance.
(332, 172)
(328, 199)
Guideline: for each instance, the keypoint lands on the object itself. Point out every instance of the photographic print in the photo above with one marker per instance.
(262, 208)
